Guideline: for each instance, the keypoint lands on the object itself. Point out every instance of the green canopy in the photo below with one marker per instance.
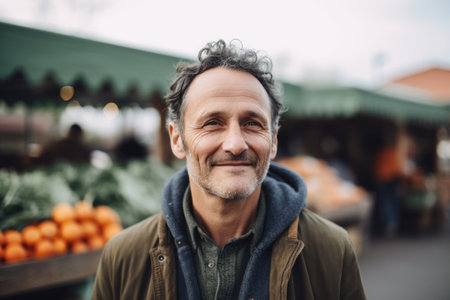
(32, 60)
(329, 102)
(67, 59)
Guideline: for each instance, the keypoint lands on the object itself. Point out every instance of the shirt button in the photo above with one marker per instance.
(211, 264)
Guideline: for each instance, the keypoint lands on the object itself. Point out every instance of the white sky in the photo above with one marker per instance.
(334, 40)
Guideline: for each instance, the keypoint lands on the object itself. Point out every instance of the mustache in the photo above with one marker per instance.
(243, 156)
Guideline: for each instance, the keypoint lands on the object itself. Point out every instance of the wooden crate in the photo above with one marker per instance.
(39, 274)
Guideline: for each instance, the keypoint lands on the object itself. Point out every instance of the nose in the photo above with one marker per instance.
(234, 142)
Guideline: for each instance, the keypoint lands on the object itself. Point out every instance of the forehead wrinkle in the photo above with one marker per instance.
(214, 83)
(233, 90)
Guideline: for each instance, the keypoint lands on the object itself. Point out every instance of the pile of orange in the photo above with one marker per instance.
(72, 229)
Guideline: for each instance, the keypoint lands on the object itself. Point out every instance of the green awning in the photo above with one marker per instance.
(39, 54)
(331, 102)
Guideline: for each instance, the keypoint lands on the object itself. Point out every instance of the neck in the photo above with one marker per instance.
(224, 219)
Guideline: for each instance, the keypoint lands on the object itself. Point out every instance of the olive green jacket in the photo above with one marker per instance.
(312, 259)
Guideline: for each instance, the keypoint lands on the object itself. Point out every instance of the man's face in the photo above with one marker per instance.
(227, 140)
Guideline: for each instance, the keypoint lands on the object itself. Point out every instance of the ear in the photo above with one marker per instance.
(274, 145)
(175, 141)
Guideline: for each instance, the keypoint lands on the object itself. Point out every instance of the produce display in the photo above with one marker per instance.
(133, 190)
(41, 214)
(326, 190)
(72, 229)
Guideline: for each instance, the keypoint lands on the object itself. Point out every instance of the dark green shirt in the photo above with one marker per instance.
(220, 270)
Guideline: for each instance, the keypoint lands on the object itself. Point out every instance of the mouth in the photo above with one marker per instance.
(233, 164)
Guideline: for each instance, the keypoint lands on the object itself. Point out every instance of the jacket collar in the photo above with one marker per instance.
(286, 197)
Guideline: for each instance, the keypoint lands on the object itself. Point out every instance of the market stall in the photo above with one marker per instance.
(346, 126)
(46, 71)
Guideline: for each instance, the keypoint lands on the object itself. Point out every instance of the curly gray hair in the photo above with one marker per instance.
(231, 56)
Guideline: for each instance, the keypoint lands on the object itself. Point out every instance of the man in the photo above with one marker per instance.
(233, 225)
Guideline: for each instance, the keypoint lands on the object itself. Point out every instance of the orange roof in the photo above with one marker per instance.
(434, 82)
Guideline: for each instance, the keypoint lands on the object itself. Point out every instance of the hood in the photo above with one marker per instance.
(285, 192)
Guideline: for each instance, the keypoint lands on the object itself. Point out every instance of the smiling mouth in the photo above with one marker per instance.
(233, 164)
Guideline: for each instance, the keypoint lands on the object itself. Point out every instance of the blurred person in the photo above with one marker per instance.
(130, 148)
(387, 173)
(233, 224)
(70, 148)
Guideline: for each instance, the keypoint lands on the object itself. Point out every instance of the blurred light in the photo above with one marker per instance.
(74, 103)
(443, 149)
(66, 92)
(111, 110)
(35, 150)
(101, 160)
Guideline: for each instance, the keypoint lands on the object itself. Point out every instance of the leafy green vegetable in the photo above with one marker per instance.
(133, 190)
(29, 197)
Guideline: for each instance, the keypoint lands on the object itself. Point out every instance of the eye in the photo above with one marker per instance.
(211, 123)
(253, 123)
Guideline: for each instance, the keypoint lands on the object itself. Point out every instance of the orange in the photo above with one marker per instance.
(84, 210)
(60, 246)
(48, 229)
(111, 230)
(96, 242)
(62, 212)
(104, 214)
(71, 231)
(13, 236)
(79, 247)
(43, 249)
(14, 252)
(90, 228)
(31, 235)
